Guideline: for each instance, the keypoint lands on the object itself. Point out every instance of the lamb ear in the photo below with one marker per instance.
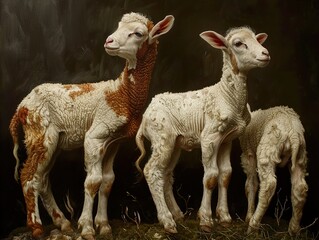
(261, 37)
(161, 28)
(214, 39)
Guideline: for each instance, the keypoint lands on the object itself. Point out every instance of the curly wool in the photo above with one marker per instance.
(274, 137)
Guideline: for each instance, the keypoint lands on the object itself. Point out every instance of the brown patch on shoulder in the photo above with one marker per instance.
(84, 88)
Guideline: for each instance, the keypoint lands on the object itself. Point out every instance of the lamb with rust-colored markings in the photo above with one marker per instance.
(94, 115)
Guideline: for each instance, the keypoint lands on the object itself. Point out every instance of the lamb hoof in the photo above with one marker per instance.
(224, 219)
(170, 230)
(66, 227)
(206, 228)
(252, 230)
(179, 218)
(225, 224)
(37, 232)
(105, 230)
(293, 228)
(293, 231)
(88, 237)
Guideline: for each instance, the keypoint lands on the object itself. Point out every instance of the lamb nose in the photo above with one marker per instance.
(265, 52)
(108, 40)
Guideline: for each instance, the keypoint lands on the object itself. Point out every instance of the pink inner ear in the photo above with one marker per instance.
(162, 27)
(217, 41)
(261, 38)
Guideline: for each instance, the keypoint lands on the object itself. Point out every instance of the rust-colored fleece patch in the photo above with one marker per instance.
(55, 214)
(130, 98)
(34, 139)
(36, 154)
(37, 229)
(226, 179)
(83, 89)
(20, 116)
(211, 182)
(93, 188)
(34, 142)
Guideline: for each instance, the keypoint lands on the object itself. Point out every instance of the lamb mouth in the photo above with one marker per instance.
(264, 60)
(108, 48)
(111, 51)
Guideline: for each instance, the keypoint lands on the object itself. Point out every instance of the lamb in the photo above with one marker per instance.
(94, 115)
(209, 119)
(273, 137)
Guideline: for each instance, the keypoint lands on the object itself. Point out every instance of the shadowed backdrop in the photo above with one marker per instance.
(60, 41)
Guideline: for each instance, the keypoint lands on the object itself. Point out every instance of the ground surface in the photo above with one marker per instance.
(188, 229)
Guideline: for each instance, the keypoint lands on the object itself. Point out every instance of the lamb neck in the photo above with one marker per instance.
(233, 87)
(130, 98)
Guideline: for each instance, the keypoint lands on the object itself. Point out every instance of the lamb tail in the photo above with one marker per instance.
(14, 125)
(139, 139)
(298, 154)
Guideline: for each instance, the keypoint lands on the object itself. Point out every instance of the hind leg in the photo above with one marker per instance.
(30, 190)
(35, 169)
(249, 164)
(268, 183)
(168, 187)
(154, 172)
(48, 199)
(299, 190)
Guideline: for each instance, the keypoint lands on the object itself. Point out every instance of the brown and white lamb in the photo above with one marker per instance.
(94, 115)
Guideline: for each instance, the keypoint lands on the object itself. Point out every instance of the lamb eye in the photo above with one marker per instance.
(138, 34)
(238, 44)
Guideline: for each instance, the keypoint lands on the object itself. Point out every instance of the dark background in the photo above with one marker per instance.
(62, 41)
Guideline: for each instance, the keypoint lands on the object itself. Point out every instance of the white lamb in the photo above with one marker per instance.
(209, 119)
(94, 115)
(273, 137)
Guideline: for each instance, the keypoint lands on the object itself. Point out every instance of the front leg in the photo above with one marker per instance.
(94, 150)
(209, 159)
(225, 171)
(101, 220)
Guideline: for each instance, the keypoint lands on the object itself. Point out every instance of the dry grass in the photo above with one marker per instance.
(187, 230)
(131, 227)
